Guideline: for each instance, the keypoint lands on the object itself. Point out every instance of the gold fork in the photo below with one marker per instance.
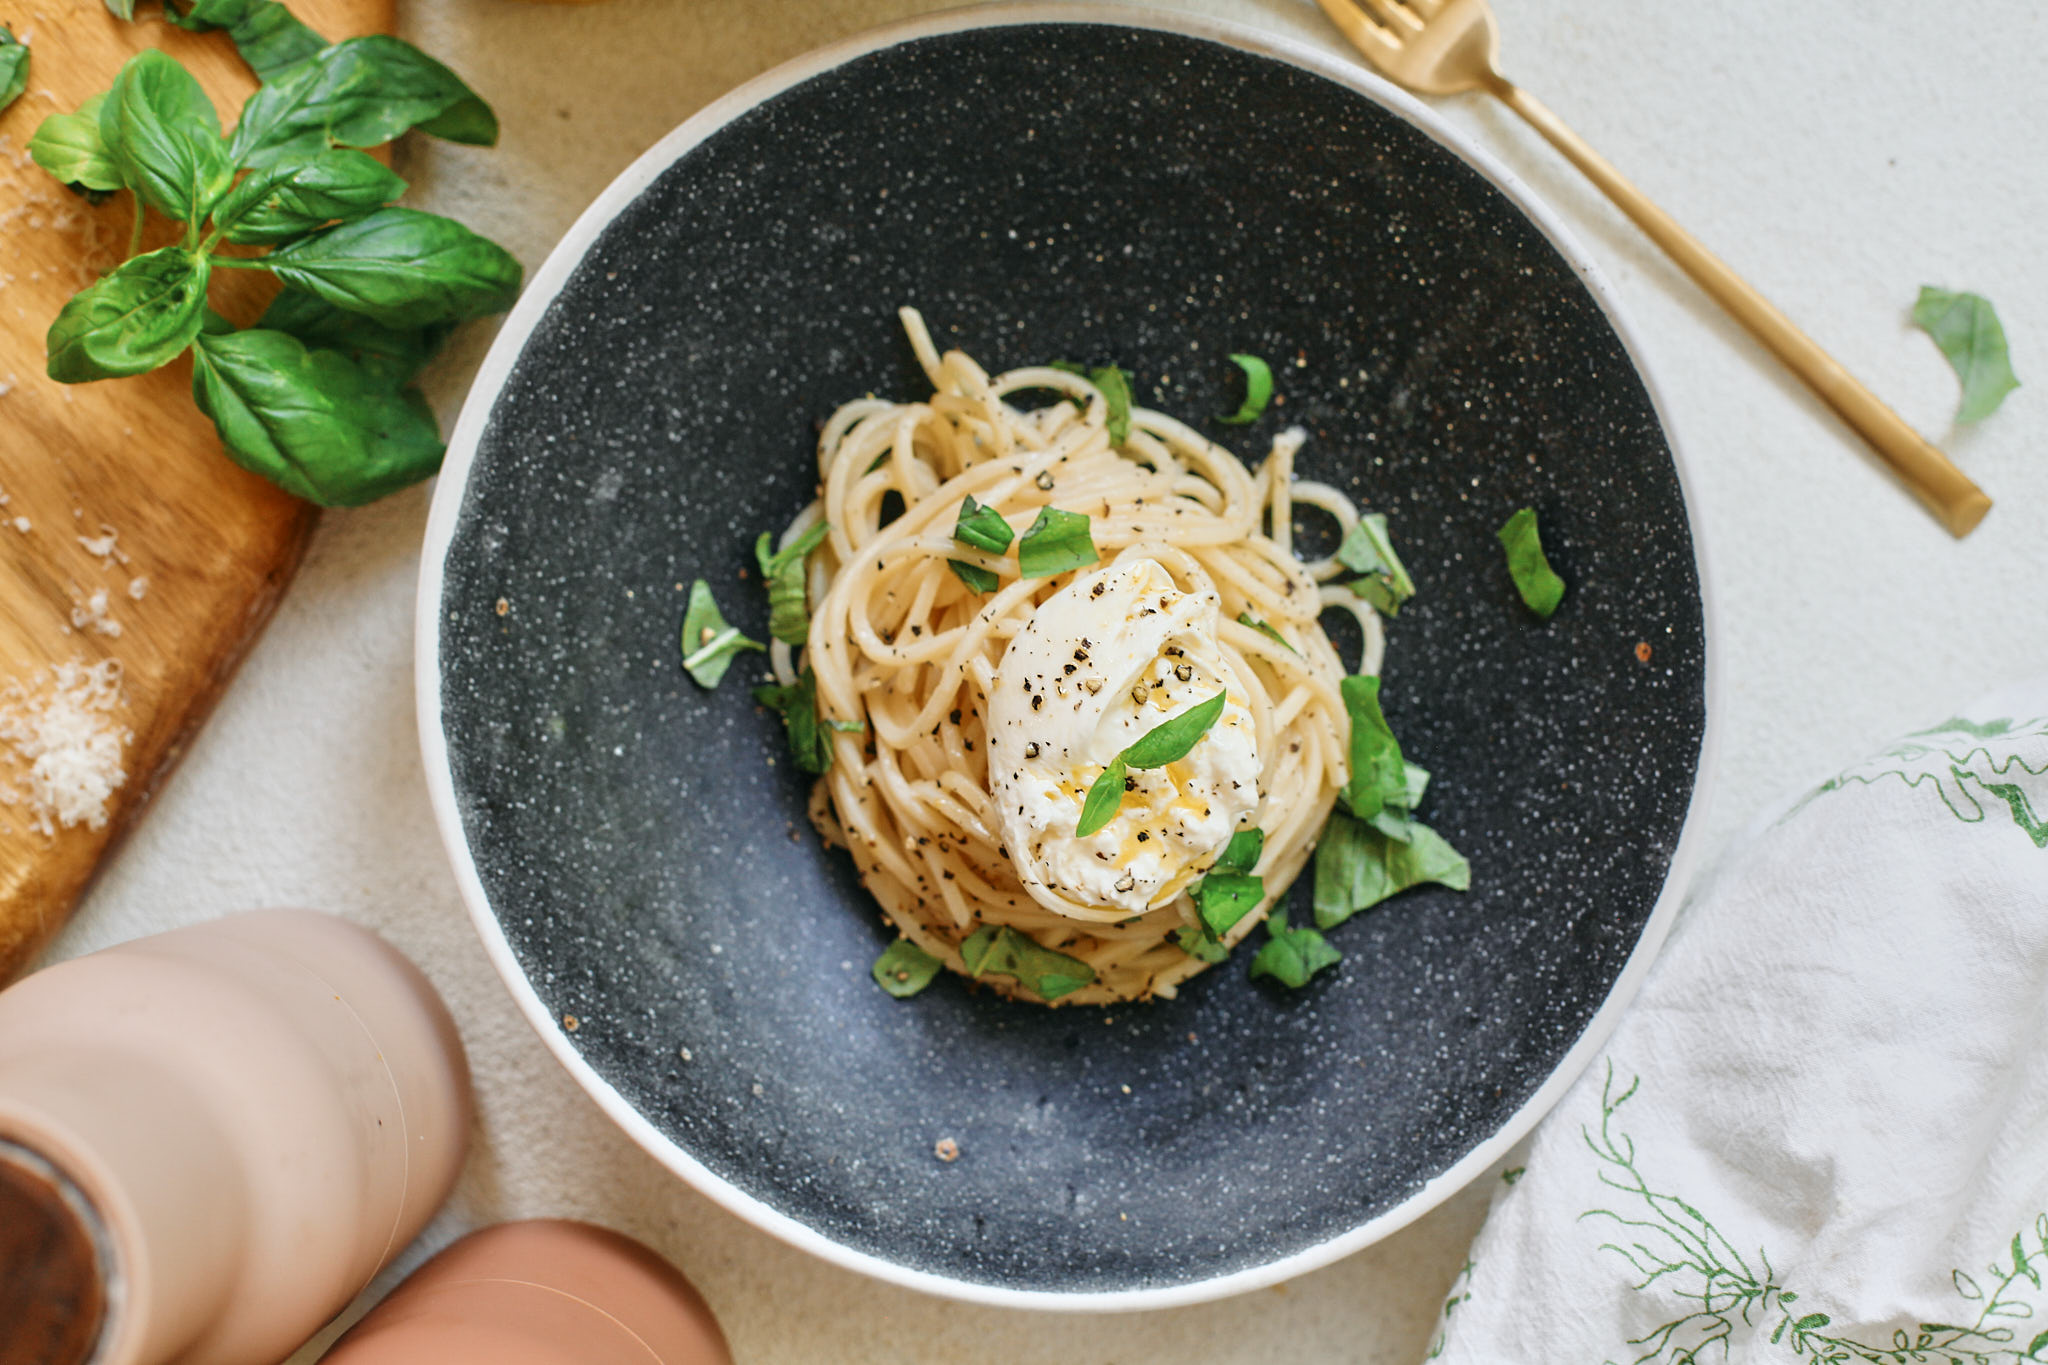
(1443, 47)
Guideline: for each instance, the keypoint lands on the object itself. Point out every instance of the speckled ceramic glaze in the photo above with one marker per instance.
(637, 848)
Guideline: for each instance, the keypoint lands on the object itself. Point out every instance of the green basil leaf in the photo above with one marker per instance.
(1966, 329)
(1367, 549)
(1170, 740)
(264, 32)
(709, 642)
(1415, 781)
(1241, 854)
(1377, 772)
(1258, 390)
(1358, 866)
(1540, 587)
(974, 576)
(1056, 542)
(361, 92)
(1292, 956)
(121, 9)
(904, 969)
(1116, 393)
(311, 421)
(298, 196)
(402, 268)
(162, 135)
(1105, 797)
(798, 703)
(13, 66)
(1245, 618)
(140, 316)
(1224, 898)
(982, 527)
(394, 355)
(68, 146)
(1199, 943)
(1005, 952)
(782, 571)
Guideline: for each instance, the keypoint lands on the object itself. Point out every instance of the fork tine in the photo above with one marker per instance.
(1365, 33)
(1393, 16)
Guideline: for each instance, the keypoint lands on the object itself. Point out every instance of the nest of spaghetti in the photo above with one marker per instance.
(910, 625)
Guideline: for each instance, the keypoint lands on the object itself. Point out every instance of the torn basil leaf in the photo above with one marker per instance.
(974, 576)
(1359, 865)
(1005, 952)
(1258, 390)
(982, 527)
(1245, 618)
(1056, 542)
(1540, 587)
(1369, 550)
(1378, 774)
(1224, 898)
(1199, 943)
(1241, 854)
(1116, 393)
(809, 743)
(709, 642)
(13, 66)
(1966, 329)
(1292, 956)
(904, 969)
(789, 612)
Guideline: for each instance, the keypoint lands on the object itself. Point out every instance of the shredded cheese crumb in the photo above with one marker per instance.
(21, 525)
(65, 734)
(91, 614)
(138, 585)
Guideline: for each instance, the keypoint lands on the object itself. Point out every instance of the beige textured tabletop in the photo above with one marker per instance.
(1840, 153)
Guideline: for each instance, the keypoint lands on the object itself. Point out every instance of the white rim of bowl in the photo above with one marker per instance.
(541, 291)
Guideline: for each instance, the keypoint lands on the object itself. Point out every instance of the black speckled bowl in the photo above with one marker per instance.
(1101, 185)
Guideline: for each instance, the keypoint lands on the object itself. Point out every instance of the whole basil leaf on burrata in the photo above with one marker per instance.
(162, 135)
(140, 316)
(402, 268)
(302, 195)
(312, 421)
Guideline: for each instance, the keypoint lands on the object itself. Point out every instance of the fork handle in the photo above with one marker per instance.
(1945, 489)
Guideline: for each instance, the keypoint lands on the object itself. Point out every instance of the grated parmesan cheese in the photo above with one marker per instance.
(138, 585)
(66, 735)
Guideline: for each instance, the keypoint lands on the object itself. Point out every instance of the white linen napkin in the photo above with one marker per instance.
(1821, 1131)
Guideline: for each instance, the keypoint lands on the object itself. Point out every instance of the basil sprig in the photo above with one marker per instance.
(1006, 952)
(1966, 328)
(709, 641)
(904, 969)
(782, 572)
(1056, 542)
(1258, 390)
(14, 59)
(317, 396)
(1540, 587)
(1292, 956)
(983, 528)
(1167, 742)
(1368, 550)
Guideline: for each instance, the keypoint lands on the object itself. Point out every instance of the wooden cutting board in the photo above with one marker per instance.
(201, 550)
